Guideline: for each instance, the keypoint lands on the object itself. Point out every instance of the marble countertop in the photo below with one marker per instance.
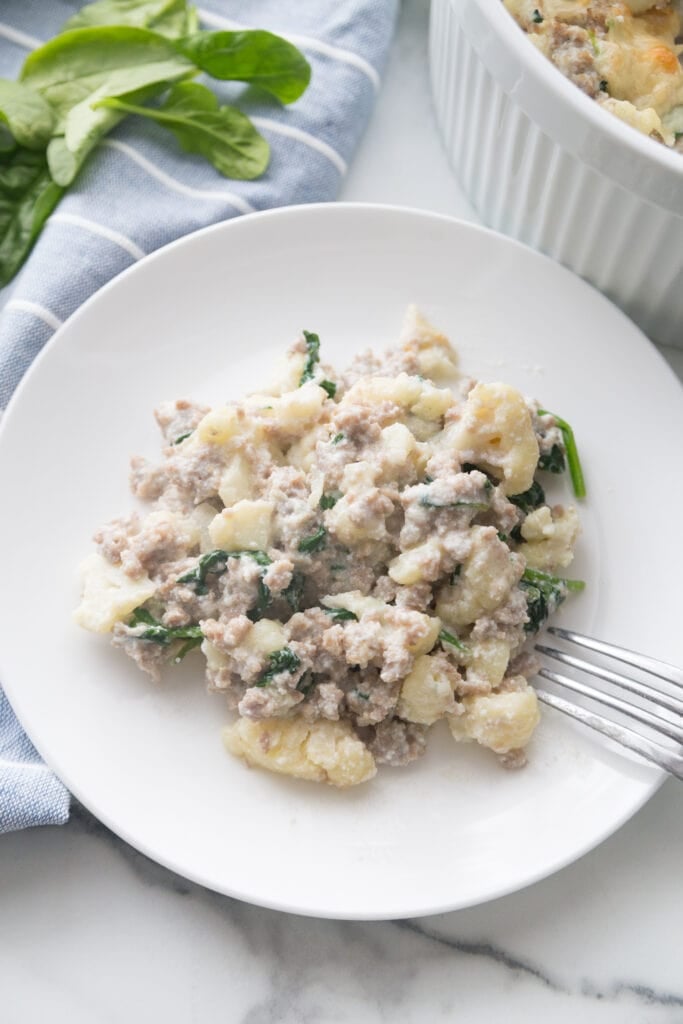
(94, 932)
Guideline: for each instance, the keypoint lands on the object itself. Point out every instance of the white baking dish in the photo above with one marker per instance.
(542, 162)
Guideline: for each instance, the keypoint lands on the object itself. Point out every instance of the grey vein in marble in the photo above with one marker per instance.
(588, 989)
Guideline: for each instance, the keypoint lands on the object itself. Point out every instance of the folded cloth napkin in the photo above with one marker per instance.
(138, 191)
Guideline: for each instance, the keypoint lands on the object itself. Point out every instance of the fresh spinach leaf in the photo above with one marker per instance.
(28, 195)
(88, 122)
(329, 386)
(170, 17)
(102, 61)
(75, 71)
(132, 51)
(254, 56)
(328, 500)
(28, 117)
(222, 135)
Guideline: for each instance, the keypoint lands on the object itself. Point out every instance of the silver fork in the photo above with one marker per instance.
(668, 757)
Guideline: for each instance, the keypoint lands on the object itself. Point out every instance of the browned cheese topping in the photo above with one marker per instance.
(624, 55)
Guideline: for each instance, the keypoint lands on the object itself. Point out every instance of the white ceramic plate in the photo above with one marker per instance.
(205, 318)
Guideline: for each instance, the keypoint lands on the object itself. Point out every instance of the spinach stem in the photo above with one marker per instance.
(573, 461)
(538, 576)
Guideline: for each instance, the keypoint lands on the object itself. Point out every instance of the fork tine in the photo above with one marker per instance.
(661, 669)
(669, 760)
(660, 725)
(642, 689)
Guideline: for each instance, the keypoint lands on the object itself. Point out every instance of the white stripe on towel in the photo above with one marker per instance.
(20, 766)
(46, 315)
(99, 229)
(173, 183)
(305, 42)
(15, 35)
(301, 136)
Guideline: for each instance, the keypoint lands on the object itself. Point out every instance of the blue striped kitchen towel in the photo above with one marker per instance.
(139, 191)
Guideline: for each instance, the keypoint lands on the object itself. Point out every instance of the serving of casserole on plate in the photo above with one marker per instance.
(207, 319)
(358, 554)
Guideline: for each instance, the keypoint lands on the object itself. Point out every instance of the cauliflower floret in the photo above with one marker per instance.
(400, 455)
(646, 121)
(500, 721)
(427, 691)
(246, 526)
(236, 483)
(109, 594)
(320, 751)
(489, 661)
(436, 358)
(414, 565)
(485, 579)
(496, 432)
(550, 537)
(360, 514)
(292, 414)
